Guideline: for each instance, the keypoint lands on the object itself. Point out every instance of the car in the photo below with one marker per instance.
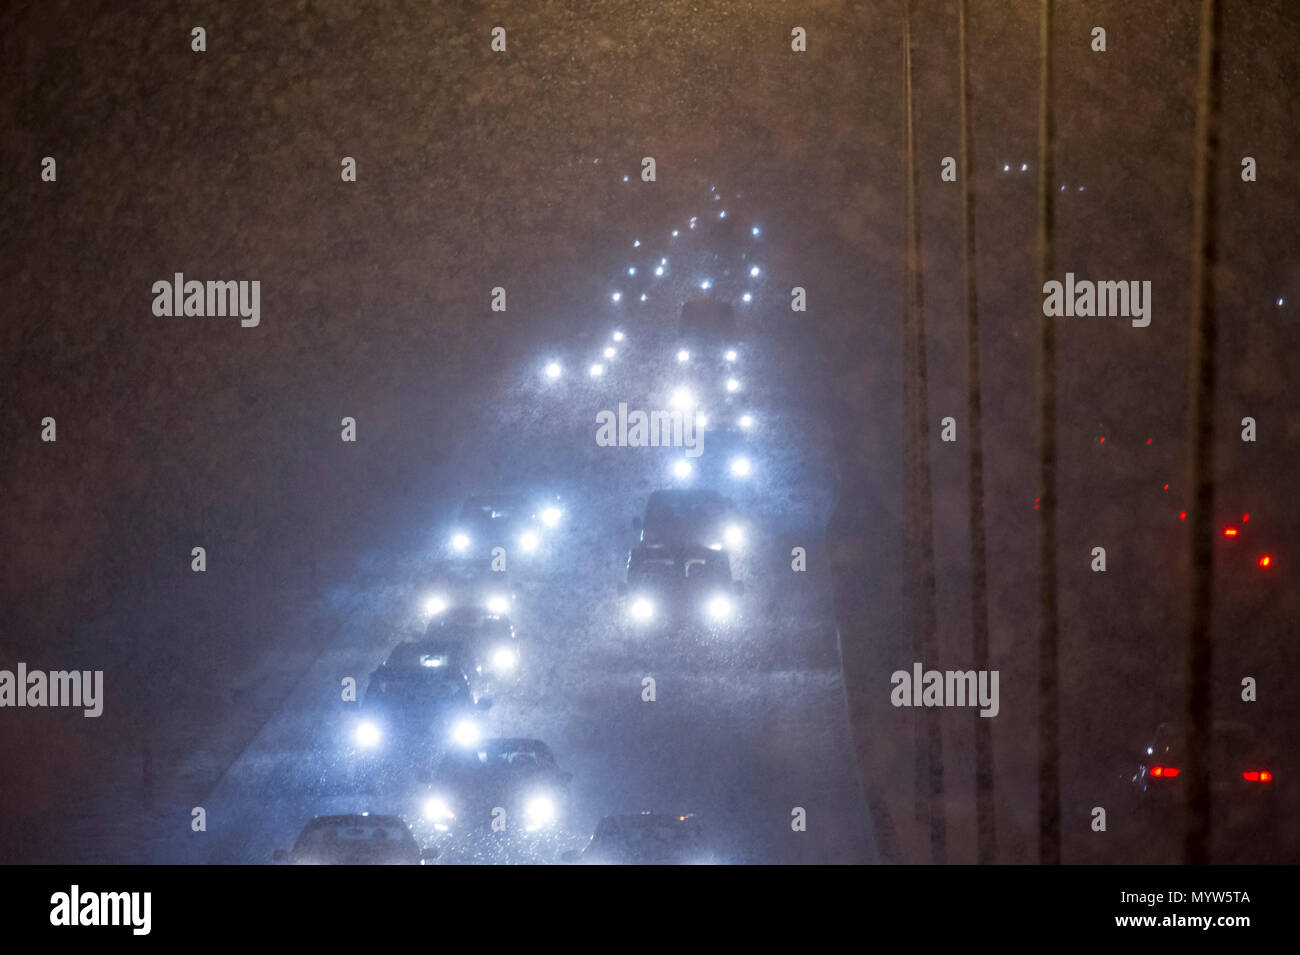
(468, 583)
(689, 517)
(491, 647)
(355, 839)
(675, 586)
(420, 696)
(647, 838)
(517, 775)
(1243, 765)
(512, 522)
(708, 330)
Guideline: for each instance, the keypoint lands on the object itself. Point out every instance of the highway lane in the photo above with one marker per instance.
(748, 724)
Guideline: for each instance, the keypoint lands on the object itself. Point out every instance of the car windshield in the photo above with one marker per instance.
(700, 506)
(429, 685)
(511, 757)
(462, 571)
(424, 656)
(683, 518)
(491, 515)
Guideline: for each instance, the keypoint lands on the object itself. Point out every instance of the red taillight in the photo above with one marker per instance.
(1182, 515)
(1165, 772)
(1229, 532)
(1245, 518)
(1265, 561)
(1257, 776)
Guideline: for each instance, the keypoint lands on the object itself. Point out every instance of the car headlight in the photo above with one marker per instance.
(368, 735)
(465, 733)
(683, 355)
(437, 810)
(733, 535)
(551, 516)
(434, 606)
(682, 469)
(528, 542)
(503, 658)
(731, 355)
(553, 370)
(682, 399)
(733, 384)
(459, 542)
(740, 467)
(719, 608)
(746, 422)
(540, 811)
(497, 605)
(642, 609)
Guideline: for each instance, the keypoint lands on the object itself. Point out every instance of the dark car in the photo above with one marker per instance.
(490, 521)
(672, 586)
(355, 839)
(709, 330)
(468, 583)
(647, 838)
(490, 645)
(420, 696)
(515, 774)
(1243, 765)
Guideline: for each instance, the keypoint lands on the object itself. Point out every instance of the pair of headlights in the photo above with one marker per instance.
(717, 608)
(369, 734)
(496, 604)
(740, 467)
(539, 811)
